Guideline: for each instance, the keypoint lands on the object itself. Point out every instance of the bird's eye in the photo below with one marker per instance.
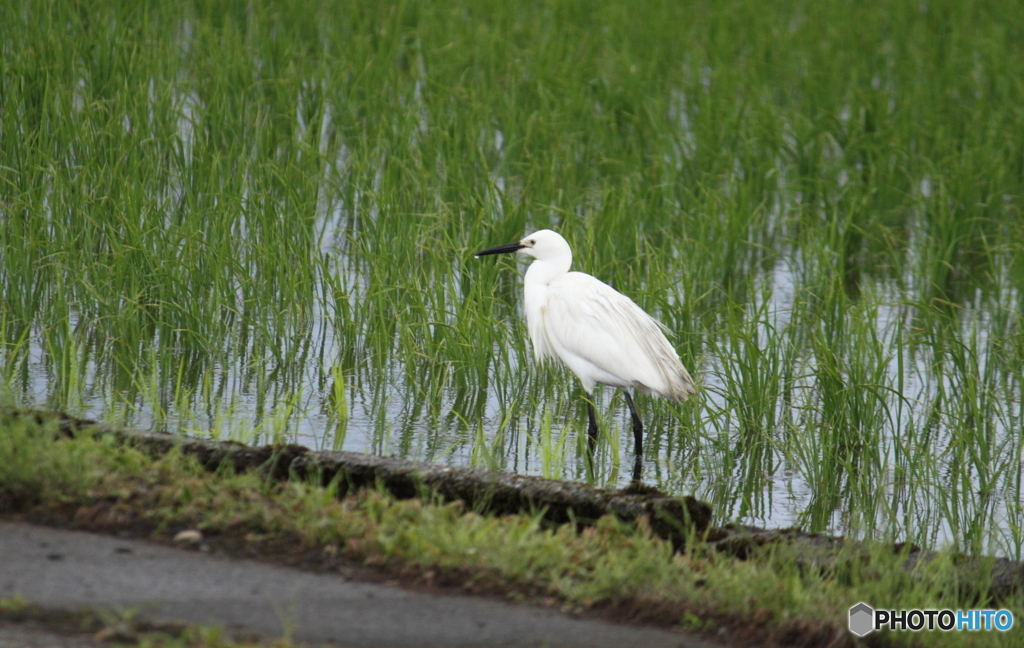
(531, 242)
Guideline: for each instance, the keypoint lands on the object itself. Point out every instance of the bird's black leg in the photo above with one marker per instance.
(638, 469)
(591, 436)
(592, 424)
(638, 427)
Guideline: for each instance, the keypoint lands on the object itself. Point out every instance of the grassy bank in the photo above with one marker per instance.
(612, 569)
(256, 219)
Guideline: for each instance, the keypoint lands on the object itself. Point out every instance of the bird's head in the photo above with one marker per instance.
(542, 245)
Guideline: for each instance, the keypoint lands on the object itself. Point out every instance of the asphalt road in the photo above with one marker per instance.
(72, 569)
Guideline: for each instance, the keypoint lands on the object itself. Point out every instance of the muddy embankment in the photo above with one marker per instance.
(673, 518)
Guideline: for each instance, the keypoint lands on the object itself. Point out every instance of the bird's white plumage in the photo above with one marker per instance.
(599, 333)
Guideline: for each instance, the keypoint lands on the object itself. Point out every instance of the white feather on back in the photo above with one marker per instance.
(603, 337)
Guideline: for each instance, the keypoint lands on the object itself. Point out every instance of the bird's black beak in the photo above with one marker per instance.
(501, 249)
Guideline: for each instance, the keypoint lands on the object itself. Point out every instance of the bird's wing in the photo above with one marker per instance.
(591, 320)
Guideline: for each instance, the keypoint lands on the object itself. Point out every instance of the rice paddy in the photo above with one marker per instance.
(256, 220)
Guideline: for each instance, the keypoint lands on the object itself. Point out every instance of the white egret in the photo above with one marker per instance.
(596, 331)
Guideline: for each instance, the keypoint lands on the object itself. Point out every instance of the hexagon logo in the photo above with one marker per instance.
(862, 619)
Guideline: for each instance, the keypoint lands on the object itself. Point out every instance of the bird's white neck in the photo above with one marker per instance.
(542, 273)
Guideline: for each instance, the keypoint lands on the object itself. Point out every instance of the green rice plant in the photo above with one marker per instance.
(490, 453)
(754, 388)
(340, 405)
(551, 450)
